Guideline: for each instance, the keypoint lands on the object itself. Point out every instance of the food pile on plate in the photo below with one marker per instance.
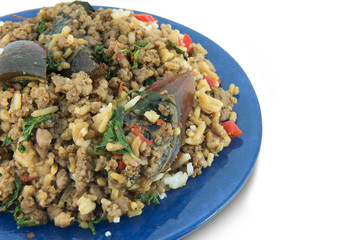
(101, 112)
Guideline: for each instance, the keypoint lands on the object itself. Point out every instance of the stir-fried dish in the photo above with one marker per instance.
(101, 112)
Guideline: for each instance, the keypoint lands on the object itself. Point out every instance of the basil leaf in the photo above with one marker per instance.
(135, 58)
(22, 222)
(41, 27)
(115, 134)
(5, 87)
(108, 74)
(141, 44)
(28, 126)
(100, 55)
(136, 52)
(52, 64)
(178, 50)
(149, 81)
(114, 128)
(7, 141)
(15, 195)
(91, 223)
(105, 173)
(147, 198)
(150, 102)
(21, 147)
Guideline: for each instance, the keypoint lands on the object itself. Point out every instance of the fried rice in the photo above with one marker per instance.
(60, 169)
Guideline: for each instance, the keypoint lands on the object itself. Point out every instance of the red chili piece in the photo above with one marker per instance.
(145, 18)
(121, 165)
(136, 131)
(120, 87)
(187, 41)
(26, 178)
(210, 81)
(30, 235)
(231, 129)
(160, 122)
(104, 66)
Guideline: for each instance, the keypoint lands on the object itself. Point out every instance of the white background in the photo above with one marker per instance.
(303, 60)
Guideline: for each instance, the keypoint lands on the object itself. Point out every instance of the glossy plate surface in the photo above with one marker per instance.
(187, 208)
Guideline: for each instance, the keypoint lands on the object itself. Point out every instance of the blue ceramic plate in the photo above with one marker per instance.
(187, 208)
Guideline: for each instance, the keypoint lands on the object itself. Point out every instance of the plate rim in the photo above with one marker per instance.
(240, 185)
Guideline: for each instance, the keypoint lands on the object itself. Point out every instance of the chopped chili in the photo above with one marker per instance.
(104, 66)
(135, 130)
(231, 129)
(120, 87)
(30, 235)
(145, 18)
(187, 42)
(160, 122)
(121, 165)
(210, 81)
(26, 178)
(119, 56)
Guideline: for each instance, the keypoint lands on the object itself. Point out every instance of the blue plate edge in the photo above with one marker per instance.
(237, 190)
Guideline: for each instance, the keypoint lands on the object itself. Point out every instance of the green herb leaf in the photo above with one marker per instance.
(21, 147)
(149, 81)
(105, 173)
(5, 87)
(28, 126)
(147, 198)
(7, 141)
(150, 102)
(115, 133)
(15, 195)
(178, 50)
(141, 44)
(91, 223)
(115, 125)
(100, 55)
(108, 74)
(22, 222)
(136, 52)
(41, 27)
(135, 59)
(52, 64)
